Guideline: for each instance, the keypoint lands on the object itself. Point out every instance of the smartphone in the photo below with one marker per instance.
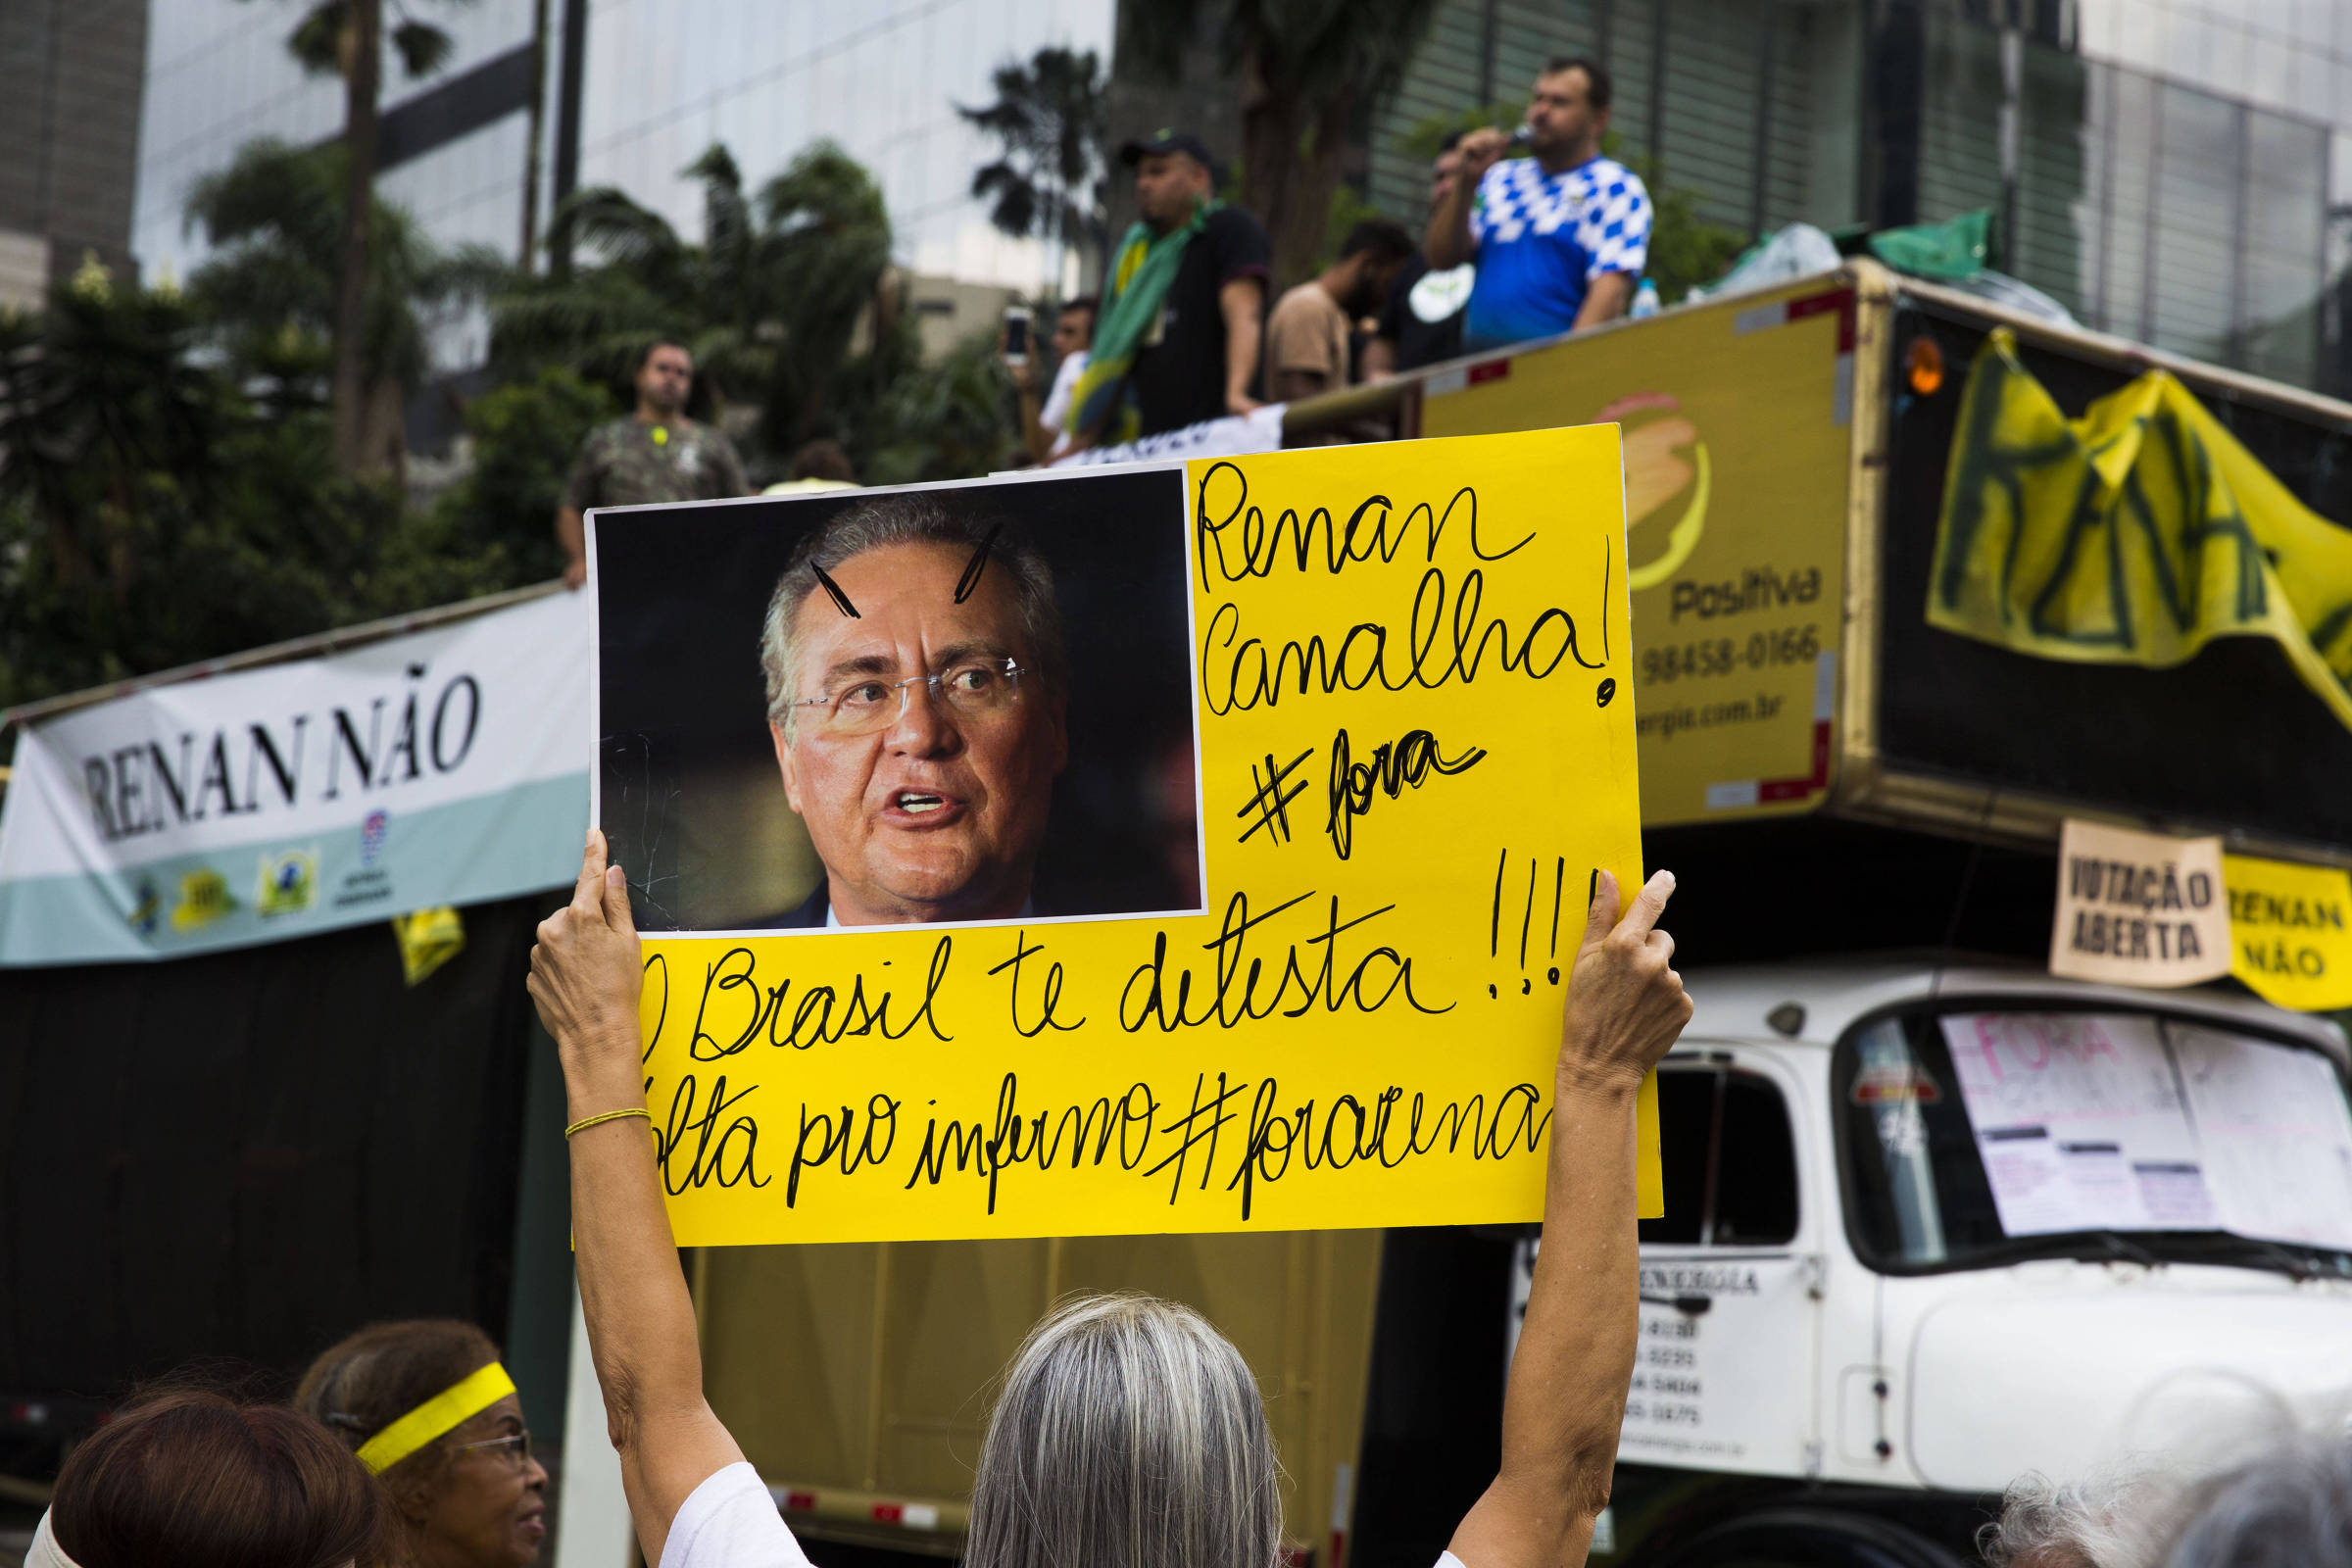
(1016, 334)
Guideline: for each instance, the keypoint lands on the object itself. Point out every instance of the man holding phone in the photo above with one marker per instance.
(1043, 434)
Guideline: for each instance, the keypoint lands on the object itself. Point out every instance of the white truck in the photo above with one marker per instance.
(1891, 1276)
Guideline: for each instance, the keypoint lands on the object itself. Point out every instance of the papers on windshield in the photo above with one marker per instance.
(2126, 1121)
(2275, 1133)
(2070, 1110)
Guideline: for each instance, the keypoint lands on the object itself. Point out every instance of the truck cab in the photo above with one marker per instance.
(1928, 1227)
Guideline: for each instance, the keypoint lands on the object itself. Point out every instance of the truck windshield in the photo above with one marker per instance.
(1975, 1134)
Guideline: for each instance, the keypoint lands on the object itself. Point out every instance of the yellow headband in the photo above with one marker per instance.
(462, 1402)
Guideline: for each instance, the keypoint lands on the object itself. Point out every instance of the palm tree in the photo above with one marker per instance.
(150, 516)
(1051, 118)
(271, 290)
(1309, 69)
(346, 38)
(100, 399)
(772, 301)
(823, 258)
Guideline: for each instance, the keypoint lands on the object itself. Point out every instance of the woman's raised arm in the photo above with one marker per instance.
(585, 978)
(1565, 1400)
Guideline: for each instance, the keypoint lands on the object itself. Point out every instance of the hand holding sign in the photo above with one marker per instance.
(1626, 1005)
(585, 979)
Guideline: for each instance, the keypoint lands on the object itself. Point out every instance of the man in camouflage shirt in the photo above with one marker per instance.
(655, 454)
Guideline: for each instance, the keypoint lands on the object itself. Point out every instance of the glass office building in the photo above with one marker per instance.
(660, 81)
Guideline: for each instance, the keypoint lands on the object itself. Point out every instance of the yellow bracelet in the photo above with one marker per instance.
(610, 1115)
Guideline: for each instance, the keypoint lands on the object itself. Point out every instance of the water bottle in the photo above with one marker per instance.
(1645, 300)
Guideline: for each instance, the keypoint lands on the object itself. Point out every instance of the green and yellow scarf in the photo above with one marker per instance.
(1102, 405)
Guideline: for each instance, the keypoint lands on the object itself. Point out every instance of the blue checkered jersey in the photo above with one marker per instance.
(1543, 239)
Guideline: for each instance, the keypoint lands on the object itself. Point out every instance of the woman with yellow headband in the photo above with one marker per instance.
(427, 1407)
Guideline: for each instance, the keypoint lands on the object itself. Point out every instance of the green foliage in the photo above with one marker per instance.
(1311, 50)
(1052, 118)
(1309, 69)
(151, 515)
(1421, 141)
(273, 217)
(1684, 249)
(525, 435)
(772, 301)
(169, 493)
(317, 41)
(943, 421)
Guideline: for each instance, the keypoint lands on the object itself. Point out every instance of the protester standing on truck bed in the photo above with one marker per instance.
(655, 454)
(1176, 342)
(1308, 335)
(1561, 238)
(1422, 320)
(1129, 1434)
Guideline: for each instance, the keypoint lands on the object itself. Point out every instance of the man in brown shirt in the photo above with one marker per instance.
(1306, 336)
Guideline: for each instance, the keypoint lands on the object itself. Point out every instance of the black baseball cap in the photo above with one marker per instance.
(1168, 140)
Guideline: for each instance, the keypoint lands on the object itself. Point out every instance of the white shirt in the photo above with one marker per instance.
(1055, 416)
(730, 1521)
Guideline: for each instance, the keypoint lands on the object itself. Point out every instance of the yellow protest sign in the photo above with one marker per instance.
(2133, 535)
(2288, 940)
(1408, 671)
(1737, 418)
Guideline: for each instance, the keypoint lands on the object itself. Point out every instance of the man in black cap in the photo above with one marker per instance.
(1178, 338)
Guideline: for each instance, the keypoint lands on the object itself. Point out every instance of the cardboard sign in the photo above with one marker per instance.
(2288, 940)
(2140, 908)
(1245, 859)
(1737, 420)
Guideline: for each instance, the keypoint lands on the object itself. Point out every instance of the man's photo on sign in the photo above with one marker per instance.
(947, 704)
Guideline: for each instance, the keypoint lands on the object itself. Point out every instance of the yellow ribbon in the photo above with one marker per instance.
(462, 1402)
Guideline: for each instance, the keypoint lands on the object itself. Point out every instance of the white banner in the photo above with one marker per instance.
(441, 767)
(1235, 436)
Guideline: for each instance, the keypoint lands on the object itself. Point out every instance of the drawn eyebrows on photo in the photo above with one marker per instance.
(884, 664)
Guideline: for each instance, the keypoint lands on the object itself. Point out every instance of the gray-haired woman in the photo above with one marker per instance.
(1130, 1433)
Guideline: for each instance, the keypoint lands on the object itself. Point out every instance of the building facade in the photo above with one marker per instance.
(2175, 172)
(647, 87)
(69, 140)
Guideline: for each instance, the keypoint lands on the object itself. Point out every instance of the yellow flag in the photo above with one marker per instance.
(2132, 535)
(428, 939)
(2288, 937)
